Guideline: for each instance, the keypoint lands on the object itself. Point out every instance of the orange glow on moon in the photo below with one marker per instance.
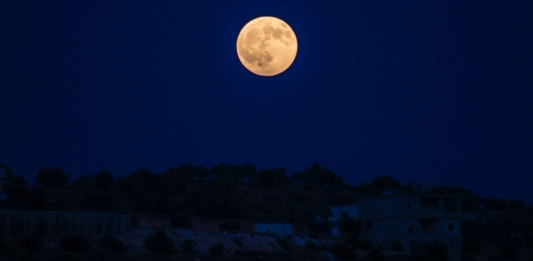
(267, 46)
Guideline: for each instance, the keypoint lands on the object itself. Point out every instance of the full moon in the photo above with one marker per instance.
(267, 46)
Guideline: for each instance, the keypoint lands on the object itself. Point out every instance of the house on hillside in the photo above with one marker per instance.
(413, 218)
(339, 212)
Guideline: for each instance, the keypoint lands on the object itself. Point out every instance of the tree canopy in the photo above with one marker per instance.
(53, 177)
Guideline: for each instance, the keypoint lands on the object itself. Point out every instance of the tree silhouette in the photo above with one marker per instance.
(317, 177)
(272, 178)
(366, 189)
(20, 181)
(83, 183)
(53, 177)
(104, 181)
(10, 175)
(386, 182)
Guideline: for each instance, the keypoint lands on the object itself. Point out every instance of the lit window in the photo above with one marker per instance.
(410, 230)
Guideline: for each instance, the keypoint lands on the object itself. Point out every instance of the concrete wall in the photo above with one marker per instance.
(388, 207)
(56, 223)
(382, 232)
(456, 228)
(278, 229)
(337, 212)
(390, 217)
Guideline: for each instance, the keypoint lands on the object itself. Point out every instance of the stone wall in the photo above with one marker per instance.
(15, 223)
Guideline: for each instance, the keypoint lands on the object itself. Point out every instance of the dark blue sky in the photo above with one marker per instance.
(416, 90)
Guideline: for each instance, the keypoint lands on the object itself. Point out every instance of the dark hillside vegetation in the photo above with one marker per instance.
(242, 193)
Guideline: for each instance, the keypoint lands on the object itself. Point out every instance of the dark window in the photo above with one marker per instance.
(410, 230)
(450, 226)
(409, 205)
(344, 215)
(368, 223)
(451, 245)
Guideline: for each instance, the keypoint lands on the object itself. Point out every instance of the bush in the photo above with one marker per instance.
(284, 243)
(375, 255)
(365, 245)
(471, 246)
(468, 257)
(159, 243)
(230, 224)
(310, 245)
(351, 240)
(396, 245)
(238, 241)
(5, 248)
(341, 251)
(509, 252)
(434, 251)
(216, 249)
(74, 244)
(110, 243)
(134, 219)
(494, 258)
(349, 226)
(314, 227)
(32, 242)
(181, 221)
(188, 246)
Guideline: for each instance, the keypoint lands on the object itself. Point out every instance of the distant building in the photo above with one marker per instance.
(14, 223)
(339, 212)
(413, 218)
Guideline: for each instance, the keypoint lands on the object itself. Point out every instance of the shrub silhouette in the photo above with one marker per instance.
(32, 242)
(365, 245)
(110, 243)
(230, 224)
(375, 255)
(284, 243)
(5, 248)
(468, 257)
(310, 245)
(73, 243)
(471, 246)
(349, 226)
(396, 245)
(216, 249)
(159, 243)
(188, 246)
(341, 251)
(434, 250)
(508, 252)
(238, 241)
(181, 221)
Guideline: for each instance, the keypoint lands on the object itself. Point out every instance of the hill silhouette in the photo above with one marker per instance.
(245, 194)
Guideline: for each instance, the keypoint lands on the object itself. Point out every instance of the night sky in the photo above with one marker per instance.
(437, 91)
